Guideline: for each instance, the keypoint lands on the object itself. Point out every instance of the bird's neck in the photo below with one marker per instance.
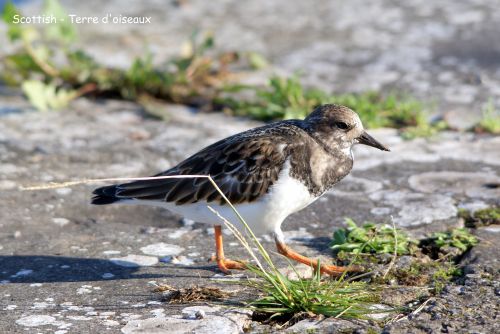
(320, 166)
(328, 169)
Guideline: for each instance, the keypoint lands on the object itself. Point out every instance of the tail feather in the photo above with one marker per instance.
(147, 190)
(105, 195)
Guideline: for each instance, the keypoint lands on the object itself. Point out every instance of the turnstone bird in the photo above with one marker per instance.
(267, 173)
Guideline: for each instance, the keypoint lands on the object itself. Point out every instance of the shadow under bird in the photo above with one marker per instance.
(267, 173)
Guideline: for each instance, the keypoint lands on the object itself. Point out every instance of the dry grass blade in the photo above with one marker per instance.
(395, 249)
(55, 185)
(401, 317)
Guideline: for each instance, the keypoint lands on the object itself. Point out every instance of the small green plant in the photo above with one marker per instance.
(459, 238)
(488, 216)
(46, 96)
(372, 239)
(444, 274)
(490, 121)
(482, 217)
(430, 262)
(284, 98)
(392, 110)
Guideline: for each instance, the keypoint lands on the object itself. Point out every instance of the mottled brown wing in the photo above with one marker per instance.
(244, 169)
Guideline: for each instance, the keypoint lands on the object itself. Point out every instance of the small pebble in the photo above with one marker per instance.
(60, 221)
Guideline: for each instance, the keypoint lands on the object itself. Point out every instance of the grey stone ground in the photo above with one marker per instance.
(60, 268)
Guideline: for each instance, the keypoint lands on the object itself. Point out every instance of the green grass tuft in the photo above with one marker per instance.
(425, 130)
(335, 298)
(482, 217)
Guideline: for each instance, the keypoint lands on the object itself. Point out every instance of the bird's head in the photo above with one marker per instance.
(340, 127)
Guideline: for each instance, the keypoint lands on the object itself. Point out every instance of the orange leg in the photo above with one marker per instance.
(224, 264)
(325, 269)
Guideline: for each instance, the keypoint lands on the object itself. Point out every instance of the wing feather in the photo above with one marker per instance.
(243, 168)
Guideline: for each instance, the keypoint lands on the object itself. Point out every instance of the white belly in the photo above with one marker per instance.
(264, 215)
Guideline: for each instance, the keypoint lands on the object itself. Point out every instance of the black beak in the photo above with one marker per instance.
(366, 139)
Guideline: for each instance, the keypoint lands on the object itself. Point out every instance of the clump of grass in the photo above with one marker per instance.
(338, 298)
(284, 297)
(371, 238)
(286, 98)
(283, 98)
(392, 110)
(424, 129)
(490, 121)
(488, 216)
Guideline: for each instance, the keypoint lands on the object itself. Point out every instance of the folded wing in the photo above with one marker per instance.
(243, 170)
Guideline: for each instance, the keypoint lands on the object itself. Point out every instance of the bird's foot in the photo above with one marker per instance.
(324, 268)
(336, 271)
(225, 265)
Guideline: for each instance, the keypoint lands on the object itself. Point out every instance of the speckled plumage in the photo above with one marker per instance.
(244, 166)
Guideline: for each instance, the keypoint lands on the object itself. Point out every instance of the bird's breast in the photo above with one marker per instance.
(289, 194)
(327, 169)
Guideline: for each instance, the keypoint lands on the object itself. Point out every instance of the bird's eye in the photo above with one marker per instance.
(341, 125)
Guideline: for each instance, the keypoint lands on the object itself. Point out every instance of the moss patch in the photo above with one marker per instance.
(483, 217)
(428, 263)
